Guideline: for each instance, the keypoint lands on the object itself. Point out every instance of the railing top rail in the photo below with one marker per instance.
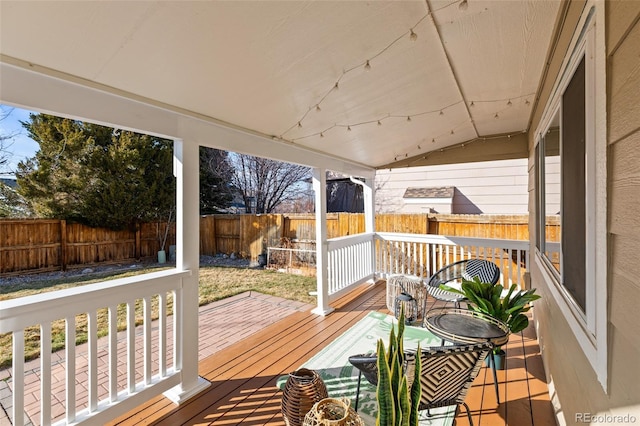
(454, 240)
(336, 243)
(16, 314)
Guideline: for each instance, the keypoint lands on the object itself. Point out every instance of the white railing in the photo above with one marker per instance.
(351, 261)
(423, 255)
(94, 390)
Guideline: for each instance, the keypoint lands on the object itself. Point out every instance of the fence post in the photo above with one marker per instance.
(63, 244)
(138, 242)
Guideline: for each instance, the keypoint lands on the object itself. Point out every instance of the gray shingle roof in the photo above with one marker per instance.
(430, 192)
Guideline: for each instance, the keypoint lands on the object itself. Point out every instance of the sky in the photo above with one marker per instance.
(20, 146)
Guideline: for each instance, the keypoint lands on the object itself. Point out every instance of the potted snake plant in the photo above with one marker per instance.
(397, 399)
(488, 299)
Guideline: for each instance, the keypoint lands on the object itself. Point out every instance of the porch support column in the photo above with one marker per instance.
(368, 192)
(369, 197)
(186, 169)
(322, 257)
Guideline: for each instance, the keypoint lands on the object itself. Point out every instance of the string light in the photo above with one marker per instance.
(452, 132)
(413, 36)
(460, 145)
(433, 140)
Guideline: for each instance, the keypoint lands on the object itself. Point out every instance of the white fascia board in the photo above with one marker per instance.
(36, 88)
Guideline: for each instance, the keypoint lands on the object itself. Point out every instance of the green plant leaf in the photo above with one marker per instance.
(518, 323)
(384, 394)
(404, 407)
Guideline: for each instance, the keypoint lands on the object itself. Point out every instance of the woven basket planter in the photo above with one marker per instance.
(333, 412)
(303, 389)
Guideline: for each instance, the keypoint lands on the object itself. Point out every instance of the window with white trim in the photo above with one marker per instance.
(571, 212)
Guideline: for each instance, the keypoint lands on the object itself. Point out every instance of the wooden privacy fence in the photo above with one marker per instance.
(40, 245)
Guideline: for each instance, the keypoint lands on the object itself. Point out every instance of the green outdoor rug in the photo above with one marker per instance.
(341, 378)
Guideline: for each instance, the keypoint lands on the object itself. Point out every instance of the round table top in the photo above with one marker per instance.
(462, 327)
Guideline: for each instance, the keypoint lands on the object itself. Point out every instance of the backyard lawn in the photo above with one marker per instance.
(215, 283)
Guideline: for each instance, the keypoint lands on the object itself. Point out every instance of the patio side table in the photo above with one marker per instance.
(461, 326)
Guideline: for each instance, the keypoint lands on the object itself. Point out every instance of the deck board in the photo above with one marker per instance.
(243, 376)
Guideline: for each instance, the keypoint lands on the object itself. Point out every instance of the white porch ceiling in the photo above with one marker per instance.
(265, 66)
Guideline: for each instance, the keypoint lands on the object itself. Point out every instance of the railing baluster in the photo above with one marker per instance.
(519, 260)
(131, 346)
(70, 345)
(18, 378)
(45, 374)
(146, 306)
(162, 333)
(177, 326)
(92, 320)
(113, 353)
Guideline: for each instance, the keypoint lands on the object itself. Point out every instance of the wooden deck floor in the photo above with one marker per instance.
(243, 376)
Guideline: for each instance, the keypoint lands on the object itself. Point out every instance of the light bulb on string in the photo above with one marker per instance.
(299, 124)
(413, 36)
(496, 116)
(433, 140)
(379, 123)
(318, 108)
(322, 134)
(408, 118)
(367, 66)
(472, 104)
(527, 102)
(349, 128)
(336, 86)
(509, 103)
(441, 112)
(452, 132)
(464, 5)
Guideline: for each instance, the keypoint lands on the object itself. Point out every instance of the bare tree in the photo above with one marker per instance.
(265, 184)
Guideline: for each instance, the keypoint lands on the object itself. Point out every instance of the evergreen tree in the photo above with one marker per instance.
(96, 175)
(12, 204)
(215, 181)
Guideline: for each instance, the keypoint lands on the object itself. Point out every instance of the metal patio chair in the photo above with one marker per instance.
(487, 271)
(447, 373)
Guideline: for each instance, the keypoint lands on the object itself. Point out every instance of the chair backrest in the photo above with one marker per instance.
(447, 372)
(486, 270)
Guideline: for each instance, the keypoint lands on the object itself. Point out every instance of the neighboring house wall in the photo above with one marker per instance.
(490, 187)
(574, 382)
